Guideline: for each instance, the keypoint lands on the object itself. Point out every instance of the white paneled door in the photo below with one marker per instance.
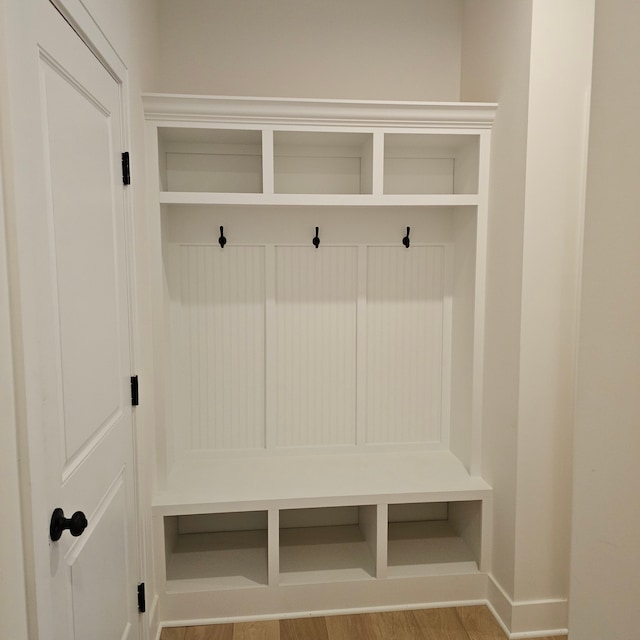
(72, 248)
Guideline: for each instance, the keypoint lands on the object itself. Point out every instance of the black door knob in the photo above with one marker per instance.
(76, 524)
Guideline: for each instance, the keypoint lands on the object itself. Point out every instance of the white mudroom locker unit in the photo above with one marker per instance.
(343, 241)
(319, 318)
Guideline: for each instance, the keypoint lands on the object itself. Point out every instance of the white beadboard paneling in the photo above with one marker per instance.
(316, 301)
(405, 293)
(219, 363)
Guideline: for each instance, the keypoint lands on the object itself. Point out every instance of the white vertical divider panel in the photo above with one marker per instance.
(382, 557)
(273, 546)
(361, 349)
(270, 333)
(484, 162)
(378, 163)
(316, 301)
(447, 342)
(164, 388)
(366, 166)
(267, 162)
(405, 290)
(220, 346)
(368, 523)
(464, 345)
(180, 416)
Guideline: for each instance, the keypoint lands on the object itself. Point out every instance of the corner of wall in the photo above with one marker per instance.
(17, 615)
(527, 619)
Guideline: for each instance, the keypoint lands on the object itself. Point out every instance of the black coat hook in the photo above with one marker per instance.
(316, 240)
(405, 241)
(222, 240)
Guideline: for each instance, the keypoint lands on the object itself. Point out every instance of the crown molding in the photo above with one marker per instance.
(285, 111)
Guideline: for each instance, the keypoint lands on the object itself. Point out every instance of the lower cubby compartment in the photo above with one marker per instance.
(243, 537)
(434, 538)
(216, 551)
(327, 544)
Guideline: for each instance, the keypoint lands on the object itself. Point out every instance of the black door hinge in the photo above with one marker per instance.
(135, 398)
(126, 172)
(142, 604)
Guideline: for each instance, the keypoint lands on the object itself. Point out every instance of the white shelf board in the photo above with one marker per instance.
(203, 483)
(427, 548)
(284, 199)
(324, 554)
(223, 560)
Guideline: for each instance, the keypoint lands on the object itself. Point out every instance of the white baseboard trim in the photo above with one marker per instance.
(539, 634)
(528, 618)
(328, 612)
(519, 620)
(499, 604)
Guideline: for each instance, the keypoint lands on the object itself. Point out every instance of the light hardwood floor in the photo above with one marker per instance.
(461, 623)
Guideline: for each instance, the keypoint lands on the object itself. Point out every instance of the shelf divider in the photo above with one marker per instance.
(267, 162)
(273, 547)
(382, 553)
(378, 164)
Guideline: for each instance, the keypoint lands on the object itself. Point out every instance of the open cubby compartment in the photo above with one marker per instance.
(210, 160)
(216, 550)
(313, 162)
(328, 544)
(430, 163)
(434, 538)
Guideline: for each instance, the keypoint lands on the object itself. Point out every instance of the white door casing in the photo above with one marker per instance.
(75, 333)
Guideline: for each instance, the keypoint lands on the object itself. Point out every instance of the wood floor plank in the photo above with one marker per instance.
(210, 632)
(352, 627)
(439, 624)
(264, 630)
(480, 624)
(173, 633)
(304, 629)
(462, 623)
(396, 625)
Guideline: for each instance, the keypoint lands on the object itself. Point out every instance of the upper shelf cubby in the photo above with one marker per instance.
(322, 162)
(430, 163)
(220, 150)
(210, 160)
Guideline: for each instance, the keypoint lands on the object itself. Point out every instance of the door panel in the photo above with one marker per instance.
(103, 618)
(88, 589)
(80, 146)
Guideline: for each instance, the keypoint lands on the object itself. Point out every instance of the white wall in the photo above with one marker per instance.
(360, 49)
(495, 67)
(535, 60)
(13, 603)
(15, 620)
(561, 54)
(605, 567)
(132, 29)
